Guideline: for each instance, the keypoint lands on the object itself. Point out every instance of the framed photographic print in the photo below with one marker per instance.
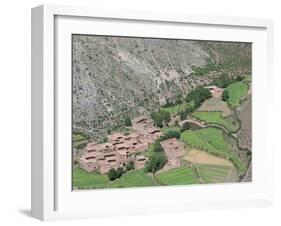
(135, 112)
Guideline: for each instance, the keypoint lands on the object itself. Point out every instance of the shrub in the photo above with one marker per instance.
(120, 171)
(127, 122)
(170, 134)
(157, 146)
(112, 174)
(223, 81)
(225, 95)
(160, 116)
(130, 166)
(198, 95)
(155, 163)
(239, 78)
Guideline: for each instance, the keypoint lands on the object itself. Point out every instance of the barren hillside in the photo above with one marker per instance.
(117, 77)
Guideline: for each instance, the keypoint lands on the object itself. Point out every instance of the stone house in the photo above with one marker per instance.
(215, 91)
(174, 149)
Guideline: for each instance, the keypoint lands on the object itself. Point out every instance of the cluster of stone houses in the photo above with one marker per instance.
(121, 149)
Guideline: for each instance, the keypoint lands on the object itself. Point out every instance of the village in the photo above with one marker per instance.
(121, 149)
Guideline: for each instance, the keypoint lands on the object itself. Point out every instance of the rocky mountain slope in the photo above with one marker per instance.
(115, 77)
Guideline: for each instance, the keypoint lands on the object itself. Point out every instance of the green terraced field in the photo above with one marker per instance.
(236, 92)
(216, 118)
(174, 128)
(217, 174)
(178, 108)
(135, 178)
(178, 176)
(82, 179)
(213, 141)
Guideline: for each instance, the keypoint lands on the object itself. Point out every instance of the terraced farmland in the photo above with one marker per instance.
(236, 92)
(213, 141)
(84, 180)
(217, 174)
(216, 104)
(178, 176)
(135, 178)
(216, 118)
(178, 108)
(196, 156)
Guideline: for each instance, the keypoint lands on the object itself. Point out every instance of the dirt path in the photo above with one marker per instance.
(192, 121)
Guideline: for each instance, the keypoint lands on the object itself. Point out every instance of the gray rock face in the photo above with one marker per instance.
(116, 77)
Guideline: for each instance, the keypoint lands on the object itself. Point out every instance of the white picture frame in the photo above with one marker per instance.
(52, 197)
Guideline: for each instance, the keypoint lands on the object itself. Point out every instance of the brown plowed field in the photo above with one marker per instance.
(216, 104)
(201, 157)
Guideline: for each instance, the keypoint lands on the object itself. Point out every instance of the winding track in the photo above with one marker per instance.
(226, 132)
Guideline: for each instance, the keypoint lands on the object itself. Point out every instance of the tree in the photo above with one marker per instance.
(112, 174)
(120, 171)
(130, 166)
(155, 163)
(223, 81)
(160, 116)
(198, 95)
(157, 146)
(128, 121)
(225, 95)
(170, 134)
(239, 78)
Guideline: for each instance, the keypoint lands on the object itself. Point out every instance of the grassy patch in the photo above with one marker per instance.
(174, 128)
(84, 180)
(136, 178)
(236, 92)
(178, 107)
(178, 176)
(247, 78)
(215, 118)
(78, 137)
(213, 141)
(215, 173)
(149, 153)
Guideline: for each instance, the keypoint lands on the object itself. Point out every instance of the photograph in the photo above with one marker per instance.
(160, 112)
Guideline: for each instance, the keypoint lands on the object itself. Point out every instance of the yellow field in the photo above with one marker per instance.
(201, 157)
